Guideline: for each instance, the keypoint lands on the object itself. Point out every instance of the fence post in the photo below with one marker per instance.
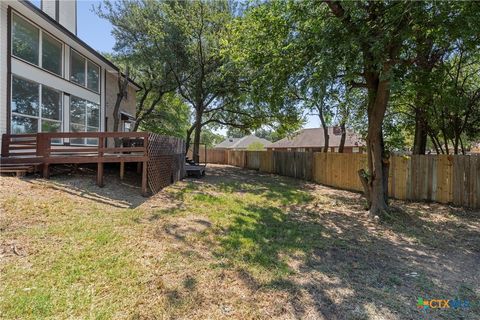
(145, 167)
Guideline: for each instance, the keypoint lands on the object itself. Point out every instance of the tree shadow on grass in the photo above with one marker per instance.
(272, 187)
(82, 183)
(331, 261)
(339, 265)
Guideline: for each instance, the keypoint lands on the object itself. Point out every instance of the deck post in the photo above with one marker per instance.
(45, 171)
(122, 170)
(100, 174)
(101, 144)
(144, 179)
(5, 145)
(139, 167)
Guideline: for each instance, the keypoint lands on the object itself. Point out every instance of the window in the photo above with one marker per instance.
(25, 40)
(93, 75)
(127, 126)
(51, 54)
(84, 117)
(35, 46)
(27, 115)
(25, 102)
(77, 69)
(51, 110)
(84, 72)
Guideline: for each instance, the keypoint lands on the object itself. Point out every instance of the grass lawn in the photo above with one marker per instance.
(236, 244)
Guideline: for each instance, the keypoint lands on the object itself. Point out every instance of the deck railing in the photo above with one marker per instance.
(44, 149)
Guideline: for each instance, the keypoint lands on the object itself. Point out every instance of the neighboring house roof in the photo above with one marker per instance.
(75, 38)
(241, 143)
(314, 138)
(227, 143)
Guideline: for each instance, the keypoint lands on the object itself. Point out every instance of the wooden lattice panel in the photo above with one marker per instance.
(166, 162)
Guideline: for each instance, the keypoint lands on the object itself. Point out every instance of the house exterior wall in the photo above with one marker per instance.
(3, 65)
(67, 12)
(50, 7)
(111, 90)
(11, 65)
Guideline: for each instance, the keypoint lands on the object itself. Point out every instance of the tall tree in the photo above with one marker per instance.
(142, 46)
(377, 30)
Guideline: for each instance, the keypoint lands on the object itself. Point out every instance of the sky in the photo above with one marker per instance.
(97, 33)
(93, 30)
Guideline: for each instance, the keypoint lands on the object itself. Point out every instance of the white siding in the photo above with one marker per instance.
(68, 15)
(28, 71)
(49, 7)
(67, 12)
(33, 73)
(3, 66)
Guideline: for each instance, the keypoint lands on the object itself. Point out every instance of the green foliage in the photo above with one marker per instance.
(170, 117)
(237, 132)
(268, 64)
(270, 135)
(255, 146)
(210, 138)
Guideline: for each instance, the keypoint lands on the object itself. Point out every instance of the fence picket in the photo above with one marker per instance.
(442, 178)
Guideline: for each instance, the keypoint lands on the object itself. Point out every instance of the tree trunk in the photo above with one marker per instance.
(116, 118)
(189, 138)
(455, 145)
(343, 137)
(147, 112)
(377, 177)
(434, 142)
(325, 128)
(421, 133)
(122, 93)
(196, 138)
(435, 138)
(445, 141)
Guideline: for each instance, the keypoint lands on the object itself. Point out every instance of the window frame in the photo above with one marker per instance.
(39, 117)
(85, 70)
(41, 31)
(62, 53)
(85, 121)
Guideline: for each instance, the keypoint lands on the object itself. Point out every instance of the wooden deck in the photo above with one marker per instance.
(24, 150)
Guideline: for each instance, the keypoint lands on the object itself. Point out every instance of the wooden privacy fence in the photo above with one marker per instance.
(441, 178)
(218, 156)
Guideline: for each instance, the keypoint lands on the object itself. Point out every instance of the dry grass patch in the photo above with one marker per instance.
(236, 244)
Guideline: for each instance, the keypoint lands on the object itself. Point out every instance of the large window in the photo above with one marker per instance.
(25, 40)
(84, 117)
(51, 54)
(93, 76)
(84, 72)
(35, 46)
(27, 115)
(77, 69)
(51, 110)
